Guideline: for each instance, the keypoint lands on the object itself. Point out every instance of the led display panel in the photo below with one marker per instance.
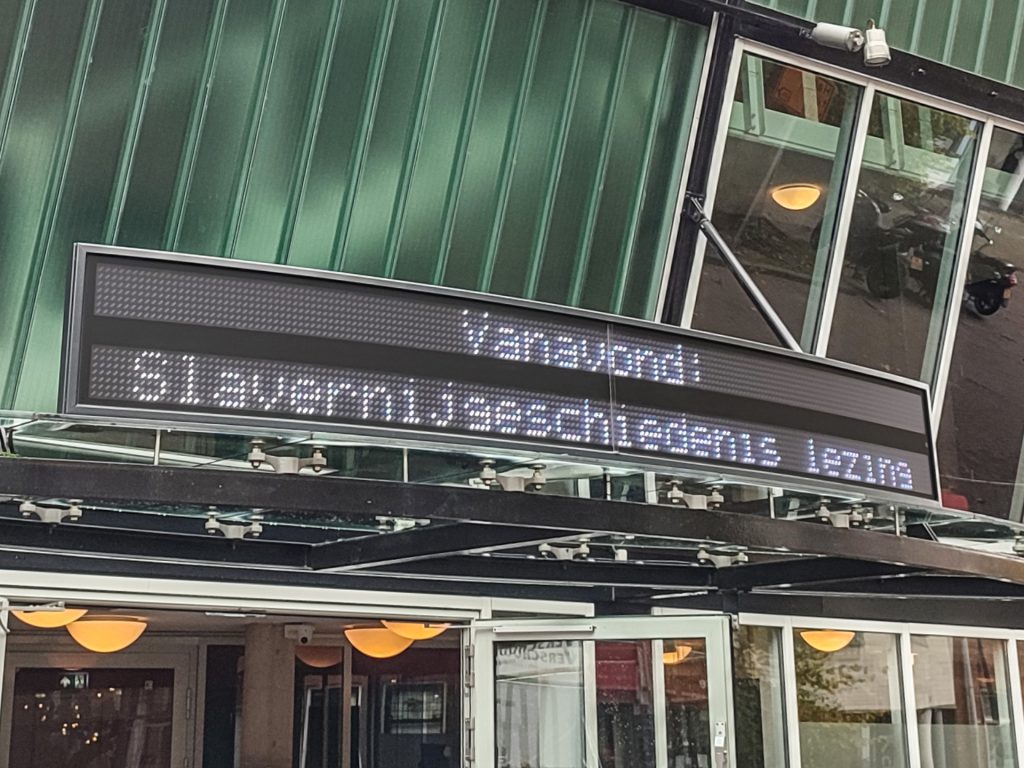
(183, 338)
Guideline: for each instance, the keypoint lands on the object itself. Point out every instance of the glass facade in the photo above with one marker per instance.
(982, 425)
(757, 697)
(776, 198)
(961, 688)
(903, 238)
(848, 699)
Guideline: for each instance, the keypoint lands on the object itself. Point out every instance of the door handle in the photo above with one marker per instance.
(721, 750)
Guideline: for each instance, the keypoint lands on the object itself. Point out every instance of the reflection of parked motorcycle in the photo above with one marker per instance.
(900, 253)
(990, 280)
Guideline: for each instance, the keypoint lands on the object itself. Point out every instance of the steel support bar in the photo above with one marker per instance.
(746, 282)
(521, 570)
(807, 570)
(141, 545)
(434, 541)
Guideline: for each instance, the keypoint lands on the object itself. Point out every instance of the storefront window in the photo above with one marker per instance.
(848, 699)
(904, 234)
(983, 415)
(963, 709)
(757, 698)
(789, 133)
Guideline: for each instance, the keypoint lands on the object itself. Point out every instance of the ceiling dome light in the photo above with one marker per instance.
(377, 642)
(106, 634)
(50, 619)
(415, 630)
(319, 656)
(827, 640)
(677, 655)
(796, 197)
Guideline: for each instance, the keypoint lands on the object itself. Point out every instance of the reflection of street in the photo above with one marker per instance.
(983, 414)
(983, 418)
(888, 334)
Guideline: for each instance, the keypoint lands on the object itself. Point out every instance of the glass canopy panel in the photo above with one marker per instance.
(908, 213)
(982, 427)
(775, 204)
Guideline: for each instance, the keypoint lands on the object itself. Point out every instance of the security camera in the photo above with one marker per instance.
(876, 49)
(300, 633)
(837, 36)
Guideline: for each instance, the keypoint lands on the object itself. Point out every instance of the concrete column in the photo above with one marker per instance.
(268, 692)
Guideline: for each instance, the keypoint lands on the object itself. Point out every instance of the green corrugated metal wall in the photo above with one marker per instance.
(980, 36)
(524, 147)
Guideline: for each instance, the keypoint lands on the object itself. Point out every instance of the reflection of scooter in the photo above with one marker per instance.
(900, 253)
(990, 280)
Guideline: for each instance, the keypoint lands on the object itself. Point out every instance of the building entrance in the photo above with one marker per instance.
(616, 692)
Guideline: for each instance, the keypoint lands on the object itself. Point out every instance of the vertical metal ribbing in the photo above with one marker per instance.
(414, 138)
(1015, 43)
(633, 222)
(954, 18)
(557, 154)
(986, 30)
(131, 132)
(451, 198)
(511, 149)
(56, 177)
(255, 122)
(194, 132)
(367, 117)
(310, 131)
(12, 83)
(919, 19)
(586, 238)
(883, 14)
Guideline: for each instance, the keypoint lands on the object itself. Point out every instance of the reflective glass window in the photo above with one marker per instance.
(982, 425)
(903, 237)
(963, 710)
(757, 697)
(848, 699)
(775, 204)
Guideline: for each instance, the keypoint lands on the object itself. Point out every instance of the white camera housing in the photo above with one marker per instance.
(837, 36)
(300, 633)
(876, 49)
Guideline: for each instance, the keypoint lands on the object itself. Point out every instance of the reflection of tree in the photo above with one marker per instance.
(822, 679)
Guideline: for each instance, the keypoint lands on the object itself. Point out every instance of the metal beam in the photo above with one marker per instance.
(803, 571)
(521, 570)
(106, 566)
(388, 549)
(125, 483)
(144, 545)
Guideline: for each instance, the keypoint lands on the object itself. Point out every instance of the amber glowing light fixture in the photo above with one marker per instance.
(415, 630)
(319, 656)
(50, 619)
(677, 655)
(106, 634)
(796, 197)
(827, 640)
(377, 642)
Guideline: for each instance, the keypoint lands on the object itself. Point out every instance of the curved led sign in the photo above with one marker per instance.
(186, 338)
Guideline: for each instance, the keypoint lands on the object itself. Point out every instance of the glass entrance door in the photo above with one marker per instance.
(637, 692)
(74, 709)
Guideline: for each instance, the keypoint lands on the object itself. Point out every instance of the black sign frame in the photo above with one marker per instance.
(635, 381)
